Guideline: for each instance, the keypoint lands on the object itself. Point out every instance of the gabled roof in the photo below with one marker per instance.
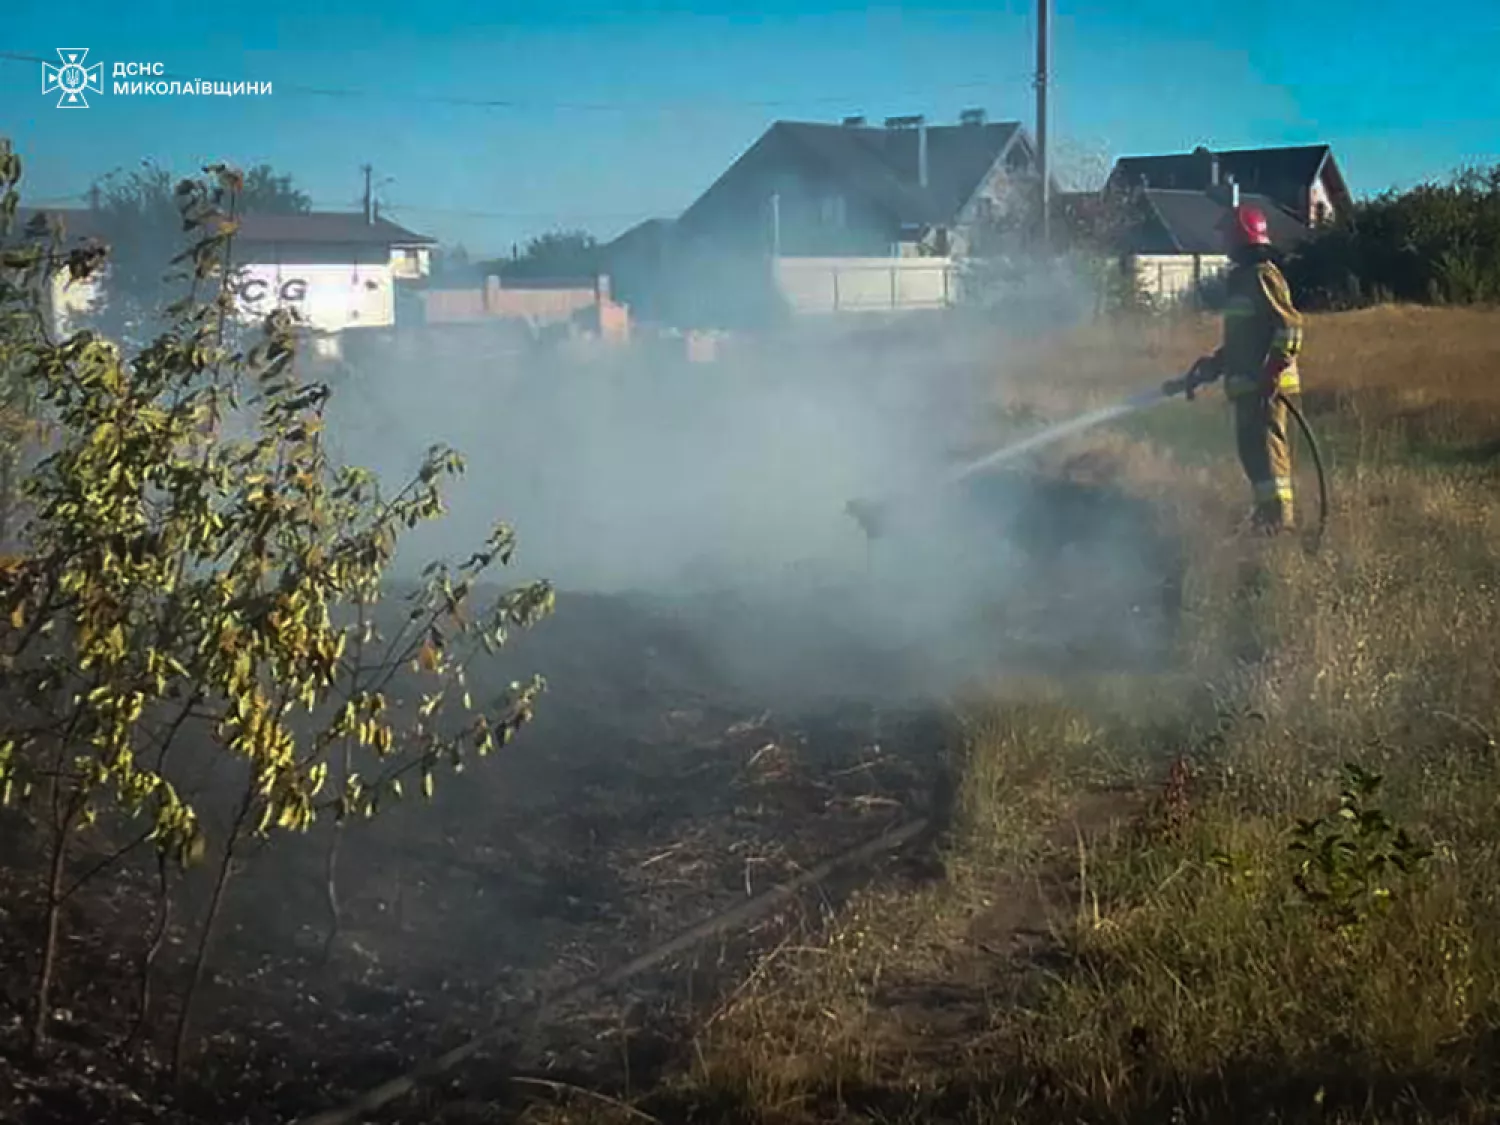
(328, 227)
(1254, 169)
(1186, 222)
(324, 227)
(881, 164)
(645, 232)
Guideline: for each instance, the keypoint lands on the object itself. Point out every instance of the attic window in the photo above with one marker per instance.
(1017, 160)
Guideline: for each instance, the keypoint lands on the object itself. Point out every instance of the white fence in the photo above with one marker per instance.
(1170, 279)
(839, 285)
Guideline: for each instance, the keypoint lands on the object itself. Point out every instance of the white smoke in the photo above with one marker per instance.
(721, 488)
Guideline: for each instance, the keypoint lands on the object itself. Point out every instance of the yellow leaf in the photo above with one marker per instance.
(18, 616)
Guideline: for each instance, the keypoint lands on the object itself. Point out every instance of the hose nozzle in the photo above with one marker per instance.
(1187, 385)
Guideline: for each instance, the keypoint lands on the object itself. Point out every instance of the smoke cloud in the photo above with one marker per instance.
(716, 493)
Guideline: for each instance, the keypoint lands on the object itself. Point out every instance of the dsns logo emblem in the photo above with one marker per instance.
(73, 78)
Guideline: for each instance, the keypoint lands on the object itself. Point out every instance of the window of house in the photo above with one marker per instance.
(834, 211)
(1018, 160)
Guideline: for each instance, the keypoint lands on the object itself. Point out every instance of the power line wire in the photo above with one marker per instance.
(393, 209)
(686, 106)
(387, 208)
(353, 207)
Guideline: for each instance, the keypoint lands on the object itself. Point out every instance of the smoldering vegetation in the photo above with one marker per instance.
(712, 496)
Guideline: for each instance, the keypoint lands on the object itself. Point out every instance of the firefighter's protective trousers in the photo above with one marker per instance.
(1262, 336)
(1260, 427)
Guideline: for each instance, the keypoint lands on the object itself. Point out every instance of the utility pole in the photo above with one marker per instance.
(369, 198)
(1043, 79)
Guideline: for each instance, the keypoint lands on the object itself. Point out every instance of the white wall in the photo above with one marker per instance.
(410, 263)
(826, 285)
(1167, 278)
(327, 295)
(1321, 195)
(71, 301)
(324, 295)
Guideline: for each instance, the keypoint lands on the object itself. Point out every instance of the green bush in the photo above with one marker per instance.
(196, 579)
(1434, 244)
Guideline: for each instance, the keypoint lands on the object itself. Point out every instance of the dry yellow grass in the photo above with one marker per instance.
(1400, 374)
(1448, 353)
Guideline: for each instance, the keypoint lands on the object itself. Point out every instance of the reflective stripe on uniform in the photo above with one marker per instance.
(1242, 386)
(1276, 489)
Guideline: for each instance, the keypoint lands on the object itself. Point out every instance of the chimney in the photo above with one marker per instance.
(919, 123)
(1209, 162)
(922, 153)
(855, 122)
(974, 116)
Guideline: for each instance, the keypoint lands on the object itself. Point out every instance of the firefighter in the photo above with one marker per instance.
(1258, 362)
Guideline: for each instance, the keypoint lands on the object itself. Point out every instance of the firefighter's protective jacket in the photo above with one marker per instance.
(1262, 332)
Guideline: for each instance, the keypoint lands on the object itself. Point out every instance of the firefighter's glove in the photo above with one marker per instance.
(1200, 374)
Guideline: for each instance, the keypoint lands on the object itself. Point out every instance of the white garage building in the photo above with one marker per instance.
(337, 271)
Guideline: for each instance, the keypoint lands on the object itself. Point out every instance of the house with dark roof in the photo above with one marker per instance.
(636, 262)
(830, 193)
(1171, 240)
(1303, 180)
(336, 270)
(1169, 208)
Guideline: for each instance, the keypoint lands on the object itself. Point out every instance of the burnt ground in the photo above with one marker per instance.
(661, 783)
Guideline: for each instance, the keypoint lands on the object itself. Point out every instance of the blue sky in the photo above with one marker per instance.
(630, 110)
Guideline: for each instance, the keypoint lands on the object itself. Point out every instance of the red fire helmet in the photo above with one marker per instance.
(1246, 225)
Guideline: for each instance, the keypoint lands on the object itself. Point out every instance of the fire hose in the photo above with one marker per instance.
(1187, 385)
(872, 515)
